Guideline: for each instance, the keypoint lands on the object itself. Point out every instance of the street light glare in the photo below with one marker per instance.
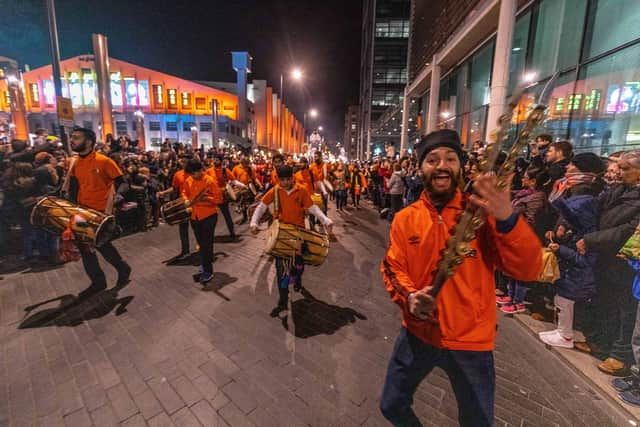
(297, 74)
(320, 128)
(313, 113)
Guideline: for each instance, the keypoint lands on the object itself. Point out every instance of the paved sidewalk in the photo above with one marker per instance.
(162, 352)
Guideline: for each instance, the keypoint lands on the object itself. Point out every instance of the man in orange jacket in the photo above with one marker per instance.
(202, 195)
(455, 331)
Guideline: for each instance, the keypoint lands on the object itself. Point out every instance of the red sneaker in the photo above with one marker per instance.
(503, 300)
(513, 308)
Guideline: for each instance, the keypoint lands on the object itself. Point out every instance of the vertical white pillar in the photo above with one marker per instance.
(500, 73)
(434, 94)
(404, 128)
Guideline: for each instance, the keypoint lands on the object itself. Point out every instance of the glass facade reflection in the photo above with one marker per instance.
(593, 48)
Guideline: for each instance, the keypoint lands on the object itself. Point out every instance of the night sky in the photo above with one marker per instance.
(193, 39)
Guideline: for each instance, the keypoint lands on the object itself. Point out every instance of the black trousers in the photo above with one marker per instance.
(204, 230)
(224, 208)
(184, 237)
(91, 264)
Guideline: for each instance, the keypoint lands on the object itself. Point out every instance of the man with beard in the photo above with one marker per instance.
(91, 180)
(223, 176)
(456, 331)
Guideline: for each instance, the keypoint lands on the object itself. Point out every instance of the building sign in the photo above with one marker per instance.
(49, 92)
(624, 98)
(65, 111)
(75, 89)
(116, 90)
(143, 93)
(131, 89)
(592, 101)
(89, 88)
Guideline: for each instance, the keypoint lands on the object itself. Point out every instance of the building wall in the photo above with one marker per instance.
(594, 102)
(351, 130)
(383, 71)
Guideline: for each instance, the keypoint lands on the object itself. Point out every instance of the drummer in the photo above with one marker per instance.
(224, 176)
(278, 160)
(293, 200)
(246, 175)
(91, 182)
(202, 195)
(176, 187)
(303, 177)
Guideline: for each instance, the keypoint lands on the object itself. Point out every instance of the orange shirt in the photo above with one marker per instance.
(303, 179)
(217, 174)
(242, 175)
(317, 171)
(207, 205)
(95, 174)
(292, 206)
(178, 180)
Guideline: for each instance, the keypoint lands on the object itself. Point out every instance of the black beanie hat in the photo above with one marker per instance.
(588, 162)
(440, 138)
(284, 171)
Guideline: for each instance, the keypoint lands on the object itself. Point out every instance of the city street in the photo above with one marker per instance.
(163, 352)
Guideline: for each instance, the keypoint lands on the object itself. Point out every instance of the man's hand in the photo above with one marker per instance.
(487, 196)
(553, 247)
(581, 246)
(421, 304)
(254, 229)
(549, 235)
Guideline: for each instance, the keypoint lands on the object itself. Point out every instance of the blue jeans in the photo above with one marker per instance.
(472, 376)
(517, 291)
(28, 238)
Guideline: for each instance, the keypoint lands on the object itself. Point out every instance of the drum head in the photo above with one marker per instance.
(106, 231)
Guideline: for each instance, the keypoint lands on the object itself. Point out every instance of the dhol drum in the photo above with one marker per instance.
(285, 240)
(89, 225)
(229, 193)
(175, 212)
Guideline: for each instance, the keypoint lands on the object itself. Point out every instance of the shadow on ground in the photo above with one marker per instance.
(72, 310)
(312, 316)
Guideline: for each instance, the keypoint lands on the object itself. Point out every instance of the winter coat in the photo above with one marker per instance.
(529, 203)
(577, 278)
(396, 183)
(557, 170)
(414, 188)
(619, 216)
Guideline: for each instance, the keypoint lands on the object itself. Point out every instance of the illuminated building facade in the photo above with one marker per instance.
(459, 78)
(171, 106)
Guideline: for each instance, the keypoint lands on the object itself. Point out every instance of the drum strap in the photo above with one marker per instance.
(276, 202)
(65, 184)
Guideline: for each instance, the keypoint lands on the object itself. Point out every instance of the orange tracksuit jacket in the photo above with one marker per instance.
(466, 304)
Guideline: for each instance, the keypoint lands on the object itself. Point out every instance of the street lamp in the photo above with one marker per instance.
(313, 113)
(320, 128)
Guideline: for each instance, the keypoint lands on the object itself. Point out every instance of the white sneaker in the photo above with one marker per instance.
(543, 333)
(557, 340)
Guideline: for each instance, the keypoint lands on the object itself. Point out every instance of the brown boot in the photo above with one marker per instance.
(582, 346)
(614, 367)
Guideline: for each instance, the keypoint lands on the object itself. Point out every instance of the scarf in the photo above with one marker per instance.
(571, 179)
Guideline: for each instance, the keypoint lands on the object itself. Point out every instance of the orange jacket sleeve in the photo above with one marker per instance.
(519, 252)
(215, 195)
(394, 268)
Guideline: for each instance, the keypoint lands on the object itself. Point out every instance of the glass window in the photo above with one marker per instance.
(89, 88)
(557, 38)
(35, 94)
(172, 98)
(201, 103)
(49, 92)
(186, 100)
(186, 126)
(116, 90)
(480, 76)
(206, 126)
(518, 50)
(158, 100)
(75, 89)
(143, 92)
(608, 117)
(172, 126)
(87, 124)
(131, 90)
(155, 126)
(121, 128)
(612, 23)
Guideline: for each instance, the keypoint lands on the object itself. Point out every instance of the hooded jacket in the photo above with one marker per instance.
(466, 309)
